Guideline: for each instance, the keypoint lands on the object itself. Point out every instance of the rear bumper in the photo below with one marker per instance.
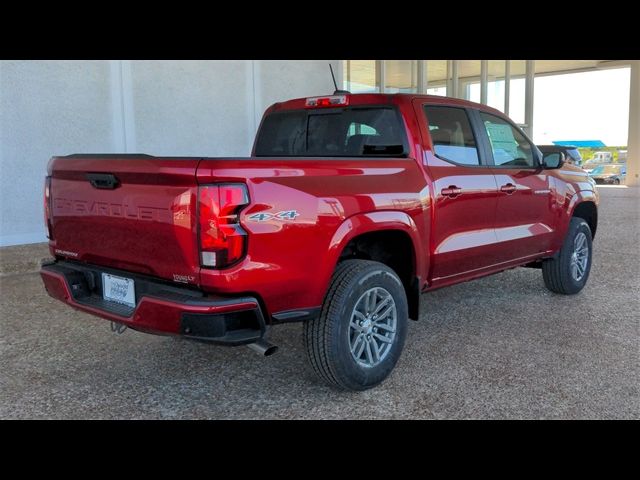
(160, 308)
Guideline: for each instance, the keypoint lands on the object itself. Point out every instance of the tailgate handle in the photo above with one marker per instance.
(103, 180)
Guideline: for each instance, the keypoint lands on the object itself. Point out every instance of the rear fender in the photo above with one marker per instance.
(373, 222)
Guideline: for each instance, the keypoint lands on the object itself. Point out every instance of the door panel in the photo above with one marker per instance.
(463, 237)
(523, 221)
(524, 225)
(464, 190)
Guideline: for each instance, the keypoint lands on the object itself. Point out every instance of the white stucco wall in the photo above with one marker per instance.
(208, 108)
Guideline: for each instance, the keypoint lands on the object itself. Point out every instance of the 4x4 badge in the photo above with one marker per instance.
(283, 215)
(287, 215)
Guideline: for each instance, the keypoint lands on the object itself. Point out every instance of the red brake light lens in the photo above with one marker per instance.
(47, 207)
(222, 239)
(332, 101)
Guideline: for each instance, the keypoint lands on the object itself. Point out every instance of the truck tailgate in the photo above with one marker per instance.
(130, 212)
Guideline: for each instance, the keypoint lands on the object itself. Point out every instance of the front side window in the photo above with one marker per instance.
(509, 146)
(345, 132)
(451, 135)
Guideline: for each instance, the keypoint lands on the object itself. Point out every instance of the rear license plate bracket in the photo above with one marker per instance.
(118, 289)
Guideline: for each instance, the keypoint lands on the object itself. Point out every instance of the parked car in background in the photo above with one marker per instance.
(609, 174)
(571, 153)
(599, 158)
(588, 166)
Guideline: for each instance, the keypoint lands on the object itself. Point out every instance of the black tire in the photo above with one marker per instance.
(616, 181)
(327, 338)
(557, 271)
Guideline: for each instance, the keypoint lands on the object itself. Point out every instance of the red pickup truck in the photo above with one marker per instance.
(349, 208)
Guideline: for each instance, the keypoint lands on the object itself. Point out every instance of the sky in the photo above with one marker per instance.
(575, 106)
(582, 106)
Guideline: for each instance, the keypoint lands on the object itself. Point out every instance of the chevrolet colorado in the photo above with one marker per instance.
(349, 208)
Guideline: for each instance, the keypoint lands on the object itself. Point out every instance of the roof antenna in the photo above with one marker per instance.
(337, 91)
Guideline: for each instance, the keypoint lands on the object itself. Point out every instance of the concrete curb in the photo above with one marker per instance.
(21, 259)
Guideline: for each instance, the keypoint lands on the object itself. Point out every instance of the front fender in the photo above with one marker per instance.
(579, 197)
(571, 203)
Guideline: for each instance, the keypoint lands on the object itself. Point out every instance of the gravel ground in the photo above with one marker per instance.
(499, 347)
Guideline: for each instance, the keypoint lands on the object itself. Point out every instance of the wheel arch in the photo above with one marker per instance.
(390, 237)
(583, 204)
(588, 211)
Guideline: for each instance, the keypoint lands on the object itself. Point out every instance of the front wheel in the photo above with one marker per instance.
(568, 272)
(357, 339)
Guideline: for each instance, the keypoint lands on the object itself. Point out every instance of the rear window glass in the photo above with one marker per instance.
(344, 132)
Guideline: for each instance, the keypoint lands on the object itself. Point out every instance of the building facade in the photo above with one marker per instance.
(213, 108)
(170, 108)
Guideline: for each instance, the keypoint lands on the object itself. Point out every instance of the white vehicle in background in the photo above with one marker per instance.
(622, 156)
(602, 157)
(599, 158)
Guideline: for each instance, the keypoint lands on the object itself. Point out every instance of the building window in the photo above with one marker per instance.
(495, 87)
(401, 76)
(517, 91)
(468, 77)
(361, 76)
(437, 77)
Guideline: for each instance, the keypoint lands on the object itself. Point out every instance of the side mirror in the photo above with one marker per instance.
(552, 160)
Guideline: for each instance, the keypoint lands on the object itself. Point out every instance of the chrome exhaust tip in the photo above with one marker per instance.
(264, 348)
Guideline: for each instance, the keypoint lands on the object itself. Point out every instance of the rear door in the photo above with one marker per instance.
(524, 222)
(464, 190)
(129, 212)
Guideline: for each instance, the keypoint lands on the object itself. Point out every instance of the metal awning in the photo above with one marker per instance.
(580, 143)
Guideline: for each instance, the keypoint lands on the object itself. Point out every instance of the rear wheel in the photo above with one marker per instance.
(569, 271)
(357, 339)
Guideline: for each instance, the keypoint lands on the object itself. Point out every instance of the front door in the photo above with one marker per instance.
(524, 224)
(464, 191)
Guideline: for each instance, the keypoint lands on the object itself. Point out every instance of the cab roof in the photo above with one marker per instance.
(383, 99)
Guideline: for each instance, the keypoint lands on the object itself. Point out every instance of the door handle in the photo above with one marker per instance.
(452, 191)
(509, 188)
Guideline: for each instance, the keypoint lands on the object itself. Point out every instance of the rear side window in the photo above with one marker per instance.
(345, 132)
(451, 134)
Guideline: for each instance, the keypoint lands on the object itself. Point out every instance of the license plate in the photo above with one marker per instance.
(118, 289)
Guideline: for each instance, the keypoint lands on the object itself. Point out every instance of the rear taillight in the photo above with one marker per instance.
(47, 207)
(222, 239)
